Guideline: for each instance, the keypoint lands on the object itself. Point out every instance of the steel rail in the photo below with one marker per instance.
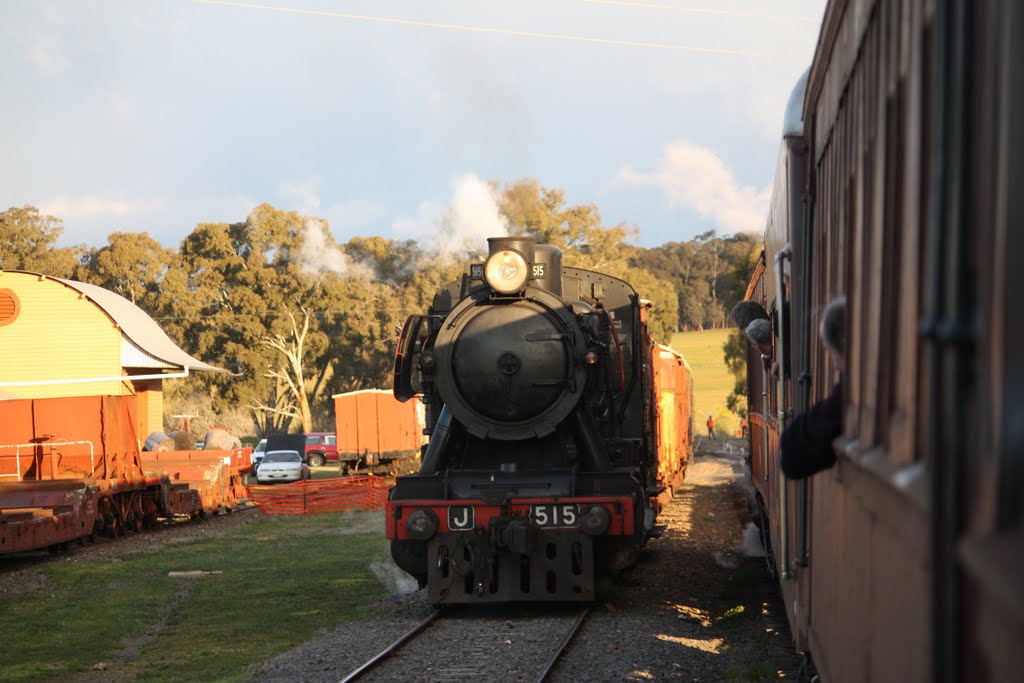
(391, 649)
(565, 644)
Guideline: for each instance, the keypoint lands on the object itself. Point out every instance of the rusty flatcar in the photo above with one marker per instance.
(71, 468)
(899, 185)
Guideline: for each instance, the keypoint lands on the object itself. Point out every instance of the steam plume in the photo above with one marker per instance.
(393, 578)
(463, 229)
(319, 253)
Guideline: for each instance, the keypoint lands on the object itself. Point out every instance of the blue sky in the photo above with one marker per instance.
(156, 115)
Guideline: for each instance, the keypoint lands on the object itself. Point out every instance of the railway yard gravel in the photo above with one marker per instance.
(697, 607)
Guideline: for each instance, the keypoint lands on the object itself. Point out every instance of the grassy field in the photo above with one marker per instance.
(712, 381)
(129, 615)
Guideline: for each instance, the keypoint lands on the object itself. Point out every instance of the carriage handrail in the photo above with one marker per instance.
(18, 446)
(784, 254)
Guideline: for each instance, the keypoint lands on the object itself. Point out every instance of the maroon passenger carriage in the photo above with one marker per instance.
(900, 184)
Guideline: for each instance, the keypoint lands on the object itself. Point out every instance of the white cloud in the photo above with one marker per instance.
(91, 218)
(305, 195)
(46, 52)
(428, 215)
(745, 96)
(693, 177)
(123, 110)
(40, 40)
(92, 206)
(355, 215)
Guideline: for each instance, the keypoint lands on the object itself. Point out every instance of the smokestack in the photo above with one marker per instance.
(524, 244)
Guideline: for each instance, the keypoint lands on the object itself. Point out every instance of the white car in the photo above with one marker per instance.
(282, 466)
(257, 454)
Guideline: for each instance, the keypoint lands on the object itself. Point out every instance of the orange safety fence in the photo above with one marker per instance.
(340, 494)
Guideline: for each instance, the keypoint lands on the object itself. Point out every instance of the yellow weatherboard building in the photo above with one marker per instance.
(63, 338)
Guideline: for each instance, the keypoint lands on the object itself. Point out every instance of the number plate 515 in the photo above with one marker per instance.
(555, 515)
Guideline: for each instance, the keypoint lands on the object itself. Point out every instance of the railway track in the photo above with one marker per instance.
(437, 648)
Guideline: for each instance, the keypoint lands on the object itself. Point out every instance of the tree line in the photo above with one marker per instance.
(259, 299)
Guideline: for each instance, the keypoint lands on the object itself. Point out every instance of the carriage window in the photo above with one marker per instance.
(890, 369)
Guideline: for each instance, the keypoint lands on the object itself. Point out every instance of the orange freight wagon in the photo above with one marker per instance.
(377, 432)
(673, 385)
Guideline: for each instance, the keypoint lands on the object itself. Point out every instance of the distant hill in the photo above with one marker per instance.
(712, 381)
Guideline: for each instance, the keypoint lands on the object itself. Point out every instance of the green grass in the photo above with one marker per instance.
(732, 614)
(712, 381)
(282, 581)
(753, 672)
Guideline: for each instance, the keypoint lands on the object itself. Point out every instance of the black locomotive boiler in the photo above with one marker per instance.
(540, 475)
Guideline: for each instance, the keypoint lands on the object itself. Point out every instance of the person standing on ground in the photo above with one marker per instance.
(711, 428)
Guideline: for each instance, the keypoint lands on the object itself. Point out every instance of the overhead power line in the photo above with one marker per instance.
(702, 10)
(500, 31)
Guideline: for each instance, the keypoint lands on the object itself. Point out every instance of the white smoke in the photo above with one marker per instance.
(458, 232)
(393, 578)
(751, 546)
(319, 253)
(472, 216)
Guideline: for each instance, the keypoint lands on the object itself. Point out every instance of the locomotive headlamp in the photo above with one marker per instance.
(506, 271)
(422, 524)
(591, 358)
(596, 520)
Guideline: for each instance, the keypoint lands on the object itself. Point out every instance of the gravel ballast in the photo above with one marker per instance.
(696, 607)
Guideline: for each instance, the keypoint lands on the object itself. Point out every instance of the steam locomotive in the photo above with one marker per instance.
(541, 474)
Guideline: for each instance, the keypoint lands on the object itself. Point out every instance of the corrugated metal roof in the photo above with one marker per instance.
(134, 357)
(139, 328)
